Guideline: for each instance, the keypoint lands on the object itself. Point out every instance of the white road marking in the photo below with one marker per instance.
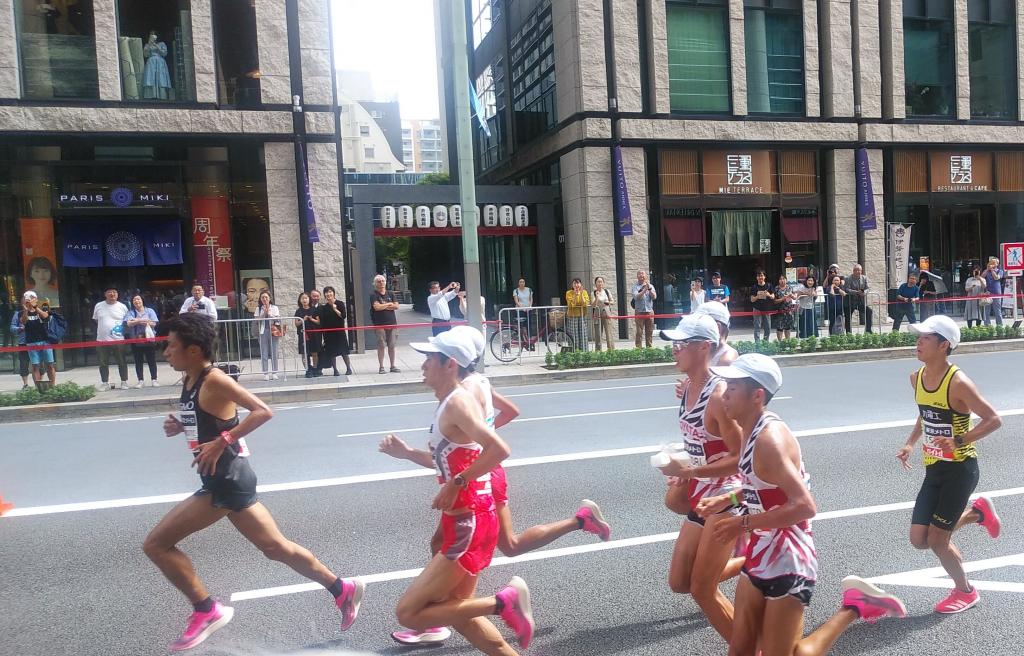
(936, 577)
(100, 421)
(546, 554)
(417, 473)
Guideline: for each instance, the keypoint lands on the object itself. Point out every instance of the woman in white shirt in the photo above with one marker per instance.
(696, 294)
(270, 330)
(604, 307)
(522, 296)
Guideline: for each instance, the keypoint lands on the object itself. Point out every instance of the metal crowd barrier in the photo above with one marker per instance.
(242, 351)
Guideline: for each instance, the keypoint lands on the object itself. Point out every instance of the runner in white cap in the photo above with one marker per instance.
(676, 498)
(498, 411)
(464, 449)
(781, 566)
(946, 397)
(712, 442)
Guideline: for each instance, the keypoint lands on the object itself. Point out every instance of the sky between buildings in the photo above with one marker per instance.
(394, 41)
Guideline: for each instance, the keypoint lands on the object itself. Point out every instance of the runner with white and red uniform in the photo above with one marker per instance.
(498, 411)
(712, 440)
(464, 450)
(781, 565)
(946, 397)
(677, 498)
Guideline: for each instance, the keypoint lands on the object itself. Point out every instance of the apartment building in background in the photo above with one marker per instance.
(422, 151)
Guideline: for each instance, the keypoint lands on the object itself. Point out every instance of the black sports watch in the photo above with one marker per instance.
(958, 440)
(459, 480)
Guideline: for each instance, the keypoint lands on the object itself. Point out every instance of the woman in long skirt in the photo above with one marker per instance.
(577, 314)
(332, 315)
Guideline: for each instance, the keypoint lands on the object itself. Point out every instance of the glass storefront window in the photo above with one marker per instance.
(155, 48)
(774, 44)
(238, 58)
(57, 49)
(993, 59)
(928, 45)
(698, 58)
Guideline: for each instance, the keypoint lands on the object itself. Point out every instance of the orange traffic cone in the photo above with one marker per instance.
(4, 506)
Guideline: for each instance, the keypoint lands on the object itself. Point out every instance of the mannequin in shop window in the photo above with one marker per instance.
(156, 78)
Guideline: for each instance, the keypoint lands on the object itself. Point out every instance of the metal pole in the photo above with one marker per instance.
(466, 173)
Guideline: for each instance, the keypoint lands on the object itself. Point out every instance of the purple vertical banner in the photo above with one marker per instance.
(312, 234)
(865, 193)
(623, 215)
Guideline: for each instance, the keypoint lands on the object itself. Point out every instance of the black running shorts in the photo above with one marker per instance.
(233, 485)
(946, 490)
(791, 585)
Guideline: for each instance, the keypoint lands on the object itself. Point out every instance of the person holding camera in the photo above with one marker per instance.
(697, 294)
(199, 303)
(437, 303)
(643, 307)
(33, 319)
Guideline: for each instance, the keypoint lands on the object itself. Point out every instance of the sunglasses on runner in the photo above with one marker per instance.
(680, 345)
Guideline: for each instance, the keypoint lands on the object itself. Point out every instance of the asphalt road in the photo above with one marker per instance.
(76, 581)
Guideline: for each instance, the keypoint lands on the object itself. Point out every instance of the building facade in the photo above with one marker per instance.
(735, 127)
(421, 146)
(150, 145)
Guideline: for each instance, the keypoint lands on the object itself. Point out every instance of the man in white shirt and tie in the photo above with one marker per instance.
(199, 303)
(437, 301)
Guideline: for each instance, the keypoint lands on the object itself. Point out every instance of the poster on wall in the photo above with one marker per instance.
(39, 257)
(212, 250)
(254, 283)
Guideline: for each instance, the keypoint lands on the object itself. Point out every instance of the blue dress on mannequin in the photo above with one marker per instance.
(156, 78)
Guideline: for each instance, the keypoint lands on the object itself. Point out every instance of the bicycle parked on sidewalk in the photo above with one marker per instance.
(510, 338)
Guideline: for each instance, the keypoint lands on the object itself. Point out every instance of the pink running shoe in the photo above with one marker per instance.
(202, 625)
(870, 602)
(433, 636)
(989, 517)
(348, 602)
(590, 516)
(958, 602)
(516, 611)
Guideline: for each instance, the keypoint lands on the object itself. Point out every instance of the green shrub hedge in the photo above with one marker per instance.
(581, 359)
(62, 393)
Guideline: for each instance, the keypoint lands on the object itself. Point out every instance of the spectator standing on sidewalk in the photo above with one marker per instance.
(974, 287)
(437, 303)
(34, 318)
(18, 331)
(643, 309)
(603, 303)
(270, 330)
(807, 296)
(577, 314)
(141, 322)
(308, 318)
(785, 306)
(197, 302)
(332, 315)
(906, 297)
(109, 315)
(718, 291)
(762, 297)
(522, 297)
(697, 294)
(834, 295)
(857, 286)
(993, 277)
(383, 306)
(929, 296)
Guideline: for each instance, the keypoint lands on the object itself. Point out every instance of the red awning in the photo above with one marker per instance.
(684, 232)
(800, 230)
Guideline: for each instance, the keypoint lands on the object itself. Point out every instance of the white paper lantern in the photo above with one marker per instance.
(388, 219)
(405, 216)
(491, 216)
(507, 216)
(422, 216)
(440, 216)
(522, 216)
(455, 214)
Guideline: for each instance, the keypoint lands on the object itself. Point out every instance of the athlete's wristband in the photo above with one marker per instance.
(734, 499)
(228, 438)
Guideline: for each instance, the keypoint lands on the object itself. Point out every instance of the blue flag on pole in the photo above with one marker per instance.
(623, 215)
(474, 102)
(866, 219)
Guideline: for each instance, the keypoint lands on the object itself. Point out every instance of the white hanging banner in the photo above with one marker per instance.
(899, 254)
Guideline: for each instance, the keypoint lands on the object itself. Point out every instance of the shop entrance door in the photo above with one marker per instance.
(965, 244)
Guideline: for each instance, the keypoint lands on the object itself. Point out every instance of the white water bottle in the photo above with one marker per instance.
(671, 452)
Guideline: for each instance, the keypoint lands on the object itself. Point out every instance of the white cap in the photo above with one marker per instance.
(29, 296)
(941, 325)
(694, 326)
(755, 366)
(475, 335)
(716, 311)
(457, 345)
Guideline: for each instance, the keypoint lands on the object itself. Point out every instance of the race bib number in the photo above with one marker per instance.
(189, 420)
(696, 453)
(932, 448)
(243, 448)
(752, 501)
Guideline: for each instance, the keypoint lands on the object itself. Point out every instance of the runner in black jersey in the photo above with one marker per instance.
(215, 437)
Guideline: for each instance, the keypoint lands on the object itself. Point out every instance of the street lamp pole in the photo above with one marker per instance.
(466, 173)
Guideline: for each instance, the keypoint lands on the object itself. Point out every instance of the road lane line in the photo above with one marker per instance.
(547, 554)
(417, 473)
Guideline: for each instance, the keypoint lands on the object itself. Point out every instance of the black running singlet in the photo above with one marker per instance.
(201, 426)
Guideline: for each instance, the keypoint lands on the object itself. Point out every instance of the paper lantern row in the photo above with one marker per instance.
(441, 216)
